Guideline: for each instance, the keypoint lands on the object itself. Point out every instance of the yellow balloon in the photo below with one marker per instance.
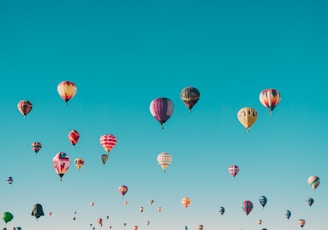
(247, 117)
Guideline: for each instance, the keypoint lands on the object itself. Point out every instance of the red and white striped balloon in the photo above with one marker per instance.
(108, 141)
(233, 170)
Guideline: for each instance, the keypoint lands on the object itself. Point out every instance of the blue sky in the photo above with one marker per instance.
(122, 55)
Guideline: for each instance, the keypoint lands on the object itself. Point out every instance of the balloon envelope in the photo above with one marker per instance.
(309, 201)
(288, 213)
(247, 117)
(37, 211)
(314, 181)
(24, 107)
(247, 206)
(189, 96)
(161, 109)
(7, 216)
(73, 137)
(66, 90)
(185, 202)
(269, 98)
(164, 159)
(79, 162)
(233, 170)
(221, 210)
(108, 141)
(263, 200)
(61, 163)
(301, 222)
(36, 146)
(123, 189)
(104, 158)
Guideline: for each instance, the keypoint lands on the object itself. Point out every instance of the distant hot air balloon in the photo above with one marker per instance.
(92, 203)
(164, 159)
(309, 201)
(233, 170)
(189, 96)
(200, 227)
(288, 213)
(314, 182)
(108, 141)
(99, 221)
(79, 162)
(50, 213)
(247, 206)
(135, 227)
(159, 209)
(104, 158)
(247, 117)
(263, 200)
(147, 222)
(123, 189)
(61, 163)
(221, 210)
(301, 223)
(7, 217)
(125, 203)
(259, 221)
(37, 211)
(10, 180)
(66, 90)
(151, 201)
(73, 137)
(269, 98)
(24, 107)
(141, 209)
(36, 146)
(185, 202)
(161, 109)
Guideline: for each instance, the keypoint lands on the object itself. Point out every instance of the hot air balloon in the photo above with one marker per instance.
(125, 203)
(309, 201)
(164, 159)
(92, 203)
(7, 216)
(161, 109)
(104, 158)
(221, 210)
(10, 180)
(259, 221)
(123, 189)
(141, 209)
(61, 163)
(263, 200)
(147, 222)
(159, 209)
(99, 221)
(66, 90)
(50, 213)
(247, 206)
(200, 227)
(288, 213)
(37, 211)
(36, 146)
(108, 141)
(233, 170)
(269, 98)
(79, 162)
(189, 96)
(247, 117)
(24, 107)
(301, 223)
(314, 182)
(73, 137)
(135, 227)
(151, 201)
(185, 202)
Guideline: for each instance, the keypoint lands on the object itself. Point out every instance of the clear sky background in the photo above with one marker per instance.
(122, 55)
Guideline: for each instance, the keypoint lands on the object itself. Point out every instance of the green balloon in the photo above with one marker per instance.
(7, 216)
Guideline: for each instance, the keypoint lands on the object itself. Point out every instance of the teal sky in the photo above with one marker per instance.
(122, 55)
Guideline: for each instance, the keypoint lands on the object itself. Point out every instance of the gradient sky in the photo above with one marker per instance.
(122, 55)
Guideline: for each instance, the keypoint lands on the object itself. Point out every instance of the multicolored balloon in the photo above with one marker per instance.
(233, 170)
(288, 213)
(314, 182)
(73, 137)
(301, 223)
(161, 109)
(10, 180)
(270, 98)
(259, 221)
(247, 206)
(247, 117)
(189, 96)
(99, 221)
(151, 201)
(79, 162)
(66, 90)
(185, 202)
(310, 201)
(263, 200)
(61, 163)
(123, 189)
(108, 141)
(24, 107)
(36, 146)
(164, 159)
